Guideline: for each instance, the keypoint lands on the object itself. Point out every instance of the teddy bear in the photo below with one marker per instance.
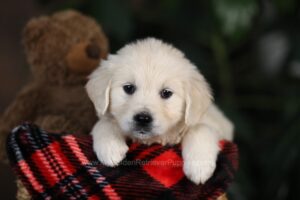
(61, 49)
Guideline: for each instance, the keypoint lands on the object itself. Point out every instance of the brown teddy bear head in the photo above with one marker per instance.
(64, 48)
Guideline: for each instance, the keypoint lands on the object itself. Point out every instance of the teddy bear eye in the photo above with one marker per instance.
(129, 88)
(166, 93)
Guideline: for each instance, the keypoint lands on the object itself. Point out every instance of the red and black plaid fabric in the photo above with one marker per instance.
(62, 166)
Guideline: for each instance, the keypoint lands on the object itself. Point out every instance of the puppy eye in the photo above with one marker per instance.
(166, 93)
(129, 88)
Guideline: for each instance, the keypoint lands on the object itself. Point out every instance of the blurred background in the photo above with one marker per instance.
(248, 50)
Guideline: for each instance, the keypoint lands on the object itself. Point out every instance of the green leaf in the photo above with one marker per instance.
(235, 16)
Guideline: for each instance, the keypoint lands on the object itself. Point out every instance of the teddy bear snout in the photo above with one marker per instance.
(84, 57)
(93, 51)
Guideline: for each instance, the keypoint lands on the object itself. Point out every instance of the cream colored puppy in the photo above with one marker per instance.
(149, 92)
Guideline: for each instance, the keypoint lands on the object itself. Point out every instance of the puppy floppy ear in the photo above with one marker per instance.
(198, 98)
(98, 88)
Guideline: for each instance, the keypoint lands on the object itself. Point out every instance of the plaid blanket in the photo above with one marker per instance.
(64, 166)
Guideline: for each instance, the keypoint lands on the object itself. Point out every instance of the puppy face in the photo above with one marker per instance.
(148, 87)
(146, 100)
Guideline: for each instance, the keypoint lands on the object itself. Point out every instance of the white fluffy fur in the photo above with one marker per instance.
(188, 116)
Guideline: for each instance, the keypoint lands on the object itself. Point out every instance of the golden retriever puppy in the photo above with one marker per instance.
(150, 93)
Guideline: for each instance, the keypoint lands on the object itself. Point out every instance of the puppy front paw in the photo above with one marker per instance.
(199, 171)
(110, 154)
(200, 152)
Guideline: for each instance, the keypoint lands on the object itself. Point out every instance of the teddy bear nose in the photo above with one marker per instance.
(93, 51)
(143, 118)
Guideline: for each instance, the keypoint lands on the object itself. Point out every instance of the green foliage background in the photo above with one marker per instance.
(233, 43)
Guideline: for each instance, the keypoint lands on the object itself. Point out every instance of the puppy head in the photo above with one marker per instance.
(149, 87)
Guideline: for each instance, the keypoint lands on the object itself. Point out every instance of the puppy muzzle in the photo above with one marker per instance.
(143, 122)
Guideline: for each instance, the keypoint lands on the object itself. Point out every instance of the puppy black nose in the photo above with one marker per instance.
(143, 118)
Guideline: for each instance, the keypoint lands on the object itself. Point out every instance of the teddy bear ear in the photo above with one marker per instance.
(33, 31)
